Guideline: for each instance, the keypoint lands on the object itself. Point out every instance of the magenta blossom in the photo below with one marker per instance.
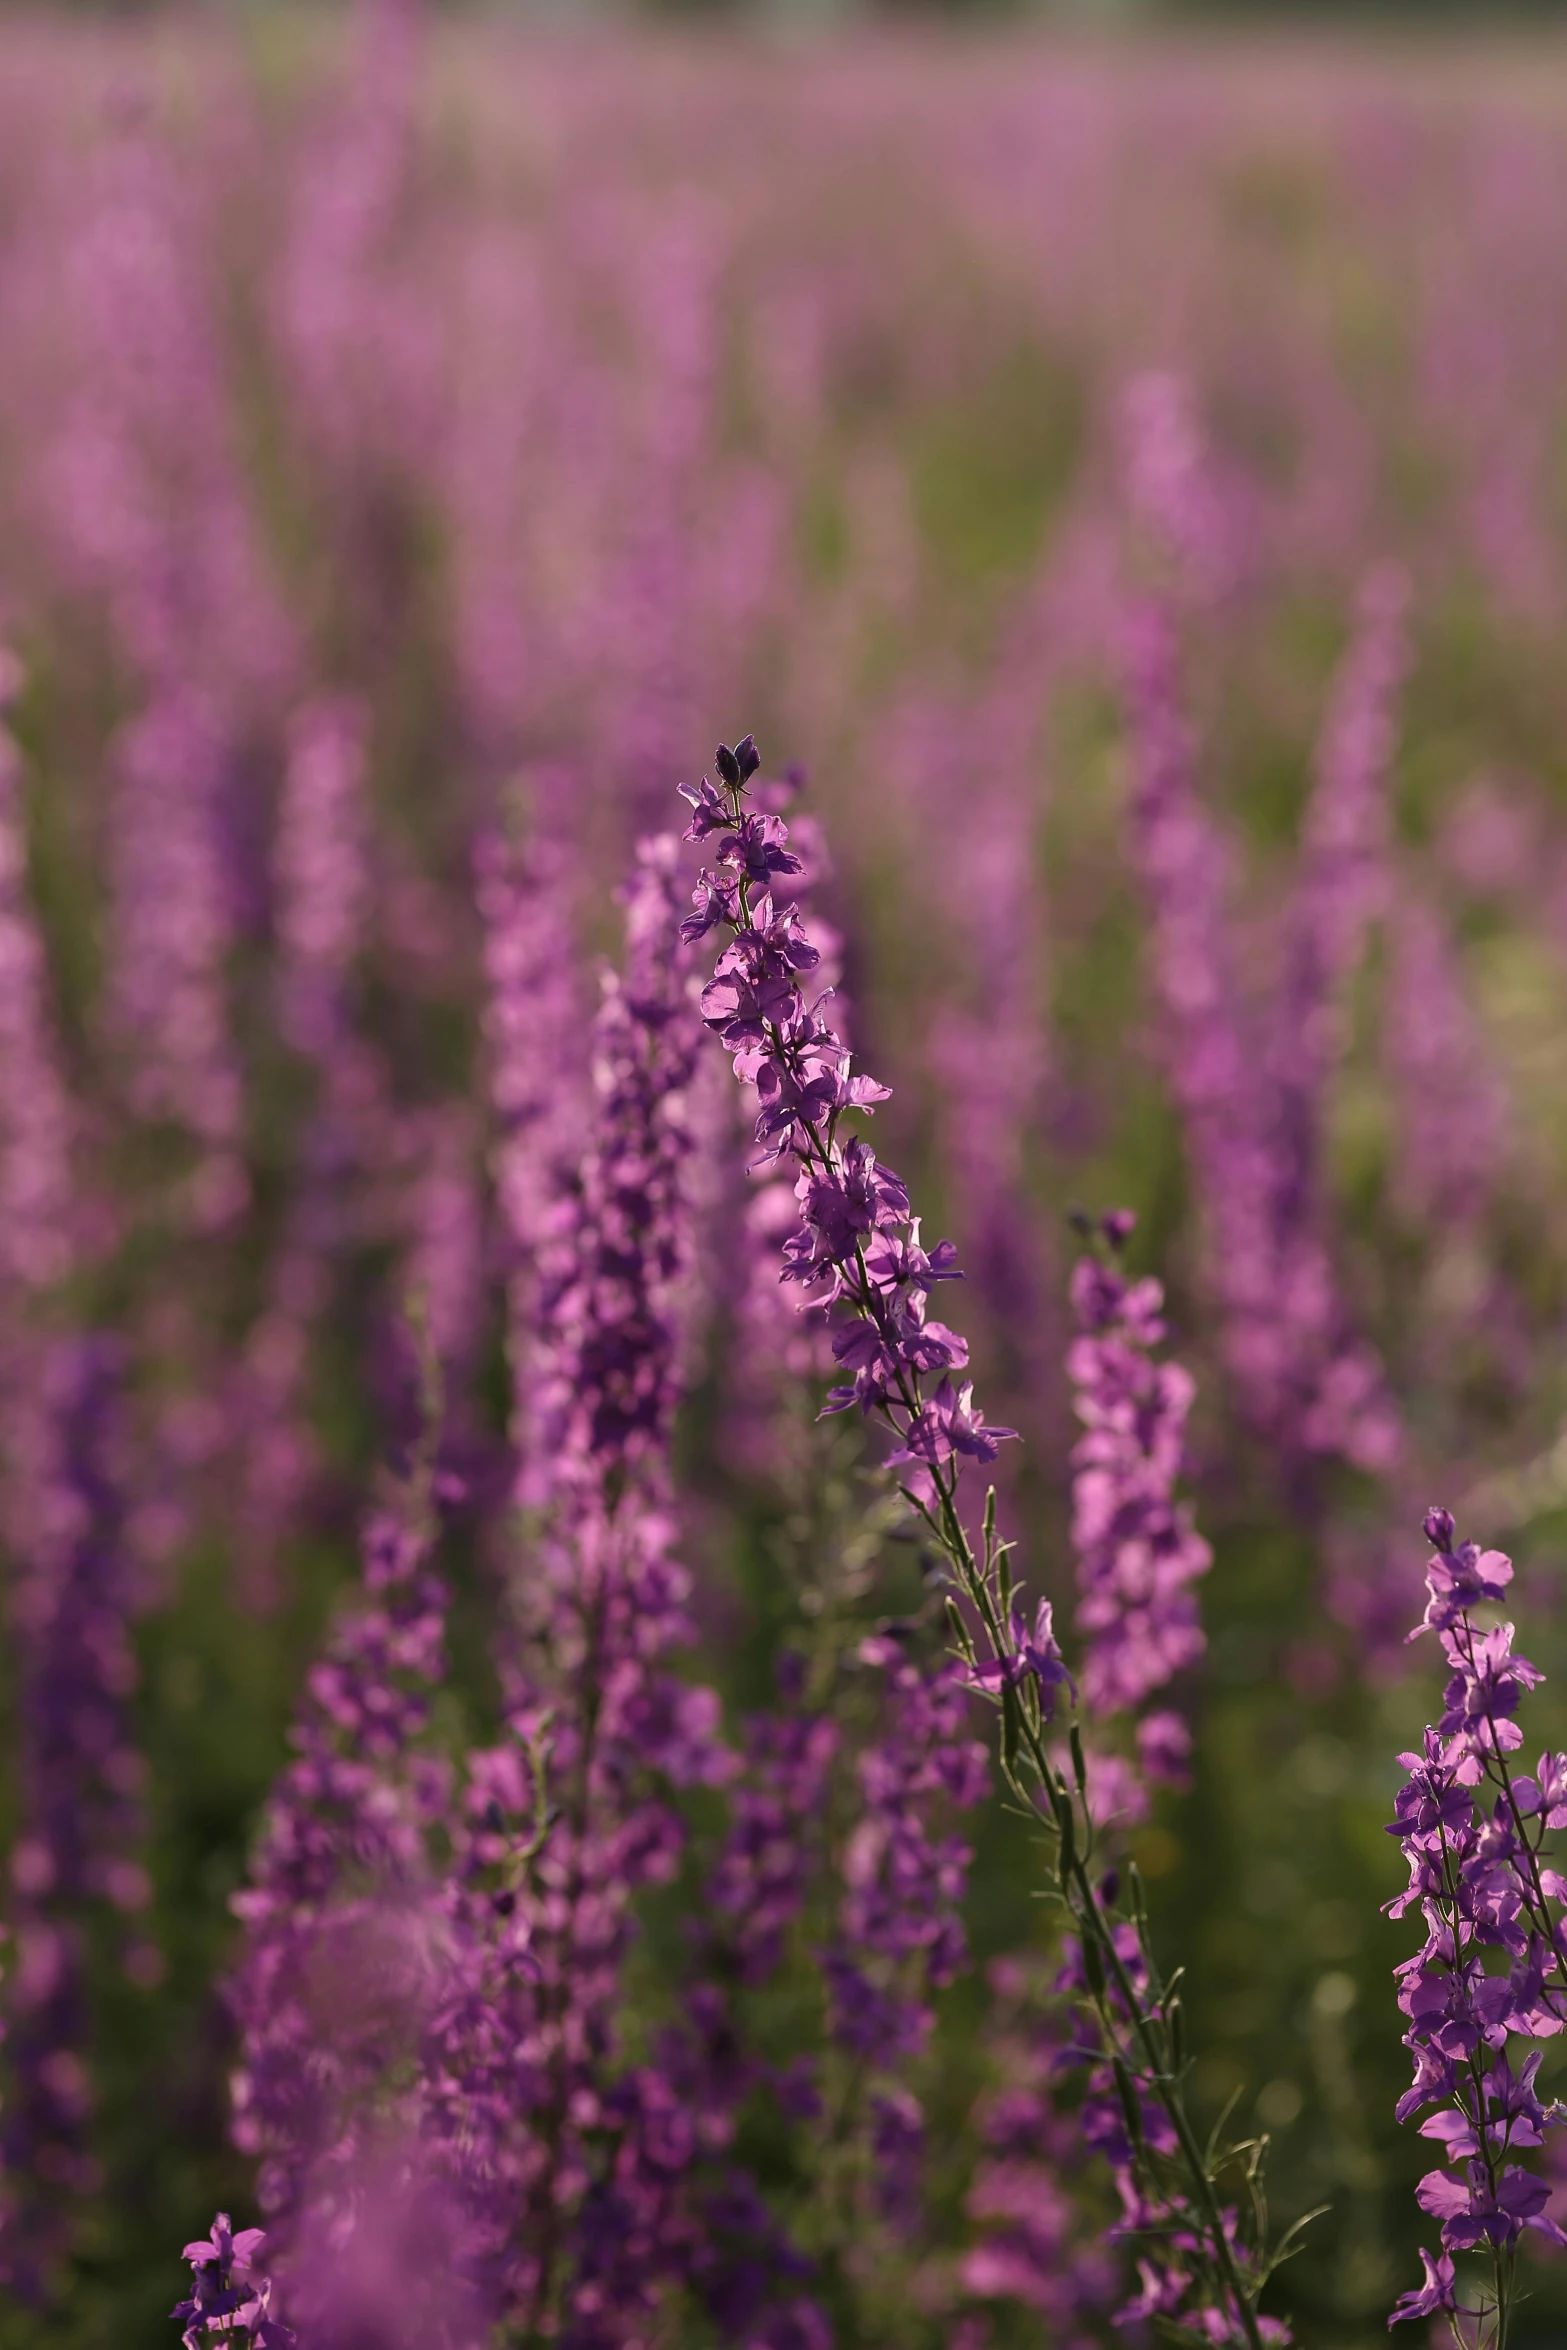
(1034, 1651)
(1474, 1838)
(226, 2296)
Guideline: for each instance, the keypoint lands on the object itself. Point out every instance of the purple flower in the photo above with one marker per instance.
(859, 1243)
(716, 900)
(878, 1363)
(171, 918)
(39, 1212)
(1458, 1576)
(323, 878)
(1479, 2208)
(842, 1208)
(948, 1424)
(342, 1927)
(1248, 1073)
(227, 2299)
(903, 1272)
(1433, 1803)
(1036, 2248)
(1437, 2293)
(1164, 1748)
(1138, 1552)
(221, 2248)
(759, 1883)
(900, 1933)
(757, 849)
(1485, 1689)
(76, 1856)
(712, 812)
(1031, 1652)
(1545, 1795)
(582, 2176)
(603, 1368)
(1473, 1839)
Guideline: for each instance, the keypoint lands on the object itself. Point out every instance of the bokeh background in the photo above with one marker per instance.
(554, 397)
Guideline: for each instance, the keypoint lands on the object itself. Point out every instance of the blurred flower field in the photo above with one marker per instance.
(489, 1793)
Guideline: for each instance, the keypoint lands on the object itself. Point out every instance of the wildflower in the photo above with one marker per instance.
(1138, 1551)
(1458, 1576)
(858, 1242)
(527, 2048)
(1032, 1651)
(81, 1812)
(226, 2296)
(339, 1891)
(1437, 2293)
(900, 1933)
(1248, 1074)
(947, 1423)
(859, 1245)
(1473, 1838)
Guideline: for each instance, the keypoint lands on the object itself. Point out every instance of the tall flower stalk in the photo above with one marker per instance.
(1138, 1553)
(75, 1862)
(321, 884)
(602, 1603)
(1474, 1830)
(1306, 1378)
(536, 1092)
(38, 1206)
(859, 1250)
(344, 1946)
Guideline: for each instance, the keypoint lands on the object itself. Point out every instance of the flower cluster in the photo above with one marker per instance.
(320, 910)
(1454, 1105)
(1138, 1553)
(38, 1208)
(343, 1941)
(1301, 1372)
(1133, 2132)
(75, 1861)
(1035, 2248)
(496, 1985)
(171, 910)
(1175, 489)
(899, 1933)
(536, 1093)
(1180, 2276)
(1250, 1064)
(1473, 1830)
(858, 1247)
(1344, 880)
(779, 1351)
(388, 2259)
(1138, 1556)
(759, 1884)
(605, 1362)
(228, 2297)
(589, 2224)
(323, 879)
(899, 1929)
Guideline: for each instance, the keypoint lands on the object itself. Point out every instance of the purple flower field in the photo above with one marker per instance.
(782, 1524)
